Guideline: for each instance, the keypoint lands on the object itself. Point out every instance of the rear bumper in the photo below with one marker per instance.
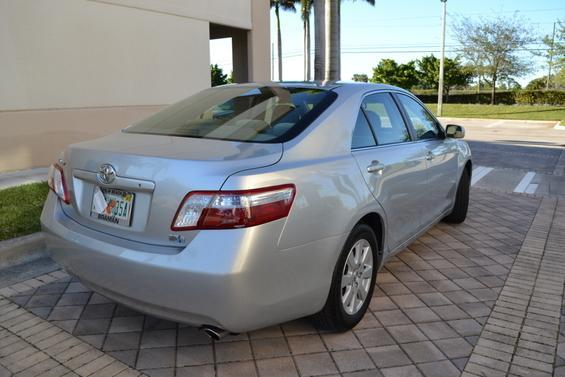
(237, 279)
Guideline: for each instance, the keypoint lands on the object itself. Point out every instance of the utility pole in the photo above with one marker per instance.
(441, 61)
(548, 80)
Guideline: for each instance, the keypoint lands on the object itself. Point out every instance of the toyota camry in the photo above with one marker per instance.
(248, 205)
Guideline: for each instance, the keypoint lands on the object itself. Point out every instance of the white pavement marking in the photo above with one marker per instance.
(531, 189)
(526, 180)
(478, 173)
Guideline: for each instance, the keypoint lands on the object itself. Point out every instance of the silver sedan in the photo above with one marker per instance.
(249, 205)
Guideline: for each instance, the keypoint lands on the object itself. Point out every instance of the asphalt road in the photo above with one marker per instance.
(516, 156)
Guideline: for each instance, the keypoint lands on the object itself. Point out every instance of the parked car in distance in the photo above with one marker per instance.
(248, 205)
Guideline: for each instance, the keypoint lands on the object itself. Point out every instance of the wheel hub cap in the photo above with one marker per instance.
(357, 276)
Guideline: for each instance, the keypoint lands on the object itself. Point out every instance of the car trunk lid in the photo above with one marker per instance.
(158, 171)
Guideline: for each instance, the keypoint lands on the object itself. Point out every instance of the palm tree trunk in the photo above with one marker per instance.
(307, 49)
(332, 52)
(338, 40)
(319, 39)
(279, 41)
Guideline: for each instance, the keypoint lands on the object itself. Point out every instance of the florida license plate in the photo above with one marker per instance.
(112, 205)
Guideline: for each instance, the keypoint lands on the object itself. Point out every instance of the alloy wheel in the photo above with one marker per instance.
(357, 276)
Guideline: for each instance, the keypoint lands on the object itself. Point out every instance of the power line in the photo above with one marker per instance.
(470, 14)
(406, 52)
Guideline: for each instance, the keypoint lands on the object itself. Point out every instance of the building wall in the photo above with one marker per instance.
(77, 53)
(34, 138)
(72, 70)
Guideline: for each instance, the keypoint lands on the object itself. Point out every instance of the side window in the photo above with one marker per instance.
(385, 118)
(424, 124)
(362, 134)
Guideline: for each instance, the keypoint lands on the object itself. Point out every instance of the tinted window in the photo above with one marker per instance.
(423, 122)
(362, 134)
(240, 113)
(385, 118)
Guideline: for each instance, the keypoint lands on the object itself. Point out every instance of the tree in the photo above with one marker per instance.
(360, 77)
(540, 83)
(454, 74)
(319, 39)
(495, 43)
(554, 53)
(287, 5)
(217, 75)
(331, 42)
(305, 11)
(322, 39)
(390, 72)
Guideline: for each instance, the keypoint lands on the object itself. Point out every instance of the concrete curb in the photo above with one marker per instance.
(559, 126)
(22, 177)
(22, 249)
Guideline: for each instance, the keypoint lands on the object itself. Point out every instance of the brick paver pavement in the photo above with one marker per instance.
(432, 310)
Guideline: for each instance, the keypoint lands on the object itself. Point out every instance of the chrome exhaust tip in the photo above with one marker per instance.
(214, 332)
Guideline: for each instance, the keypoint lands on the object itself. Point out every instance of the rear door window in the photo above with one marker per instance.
(385, 119)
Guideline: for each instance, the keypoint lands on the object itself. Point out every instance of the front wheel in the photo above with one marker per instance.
(459, 213)
(353, 282)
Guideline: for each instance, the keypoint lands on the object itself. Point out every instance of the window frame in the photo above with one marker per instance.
(408, 126)
(408, 121)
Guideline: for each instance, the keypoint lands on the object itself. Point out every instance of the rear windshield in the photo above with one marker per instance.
(267, 114)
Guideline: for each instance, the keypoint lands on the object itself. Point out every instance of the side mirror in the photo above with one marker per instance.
(454, 131)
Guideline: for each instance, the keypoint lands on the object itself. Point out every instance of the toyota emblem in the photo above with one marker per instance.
(106, 174)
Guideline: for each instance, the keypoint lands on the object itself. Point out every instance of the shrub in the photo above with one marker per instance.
(521, 97)
(540, 97)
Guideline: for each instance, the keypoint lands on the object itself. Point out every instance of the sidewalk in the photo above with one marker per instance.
(479, 299)
(22, 177)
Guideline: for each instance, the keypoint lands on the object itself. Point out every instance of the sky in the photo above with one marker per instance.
(401, 30)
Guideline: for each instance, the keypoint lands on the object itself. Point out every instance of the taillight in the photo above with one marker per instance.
(56, 181)
(233, 209)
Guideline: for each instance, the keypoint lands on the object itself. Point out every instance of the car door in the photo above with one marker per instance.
(392, 165)
(441, 157)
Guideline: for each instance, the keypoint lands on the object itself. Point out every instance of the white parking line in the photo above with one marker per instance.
(531, 189)
(478, 173)
(526, 180)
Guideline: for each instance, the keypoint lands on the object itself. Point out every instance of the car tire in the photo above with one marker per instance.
(336, 315)
(459, 212)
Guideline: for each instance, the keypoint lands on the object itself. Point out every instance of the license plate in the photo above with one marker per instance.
(111, 205)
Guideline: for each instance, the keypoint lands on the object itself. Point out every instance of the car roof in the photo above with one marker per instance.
(327, 85)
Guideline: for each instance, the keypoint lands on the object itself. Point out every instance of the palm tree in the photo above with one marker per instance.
(284, 5)
(331, 43)
(328, 67)
(319, 39)
(306, 9)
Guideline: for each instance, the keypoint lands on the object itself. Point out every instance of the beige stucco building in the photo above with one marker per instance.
(72, 70)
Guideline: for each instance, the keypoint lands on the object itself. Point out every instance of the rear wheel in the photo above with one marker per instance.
(461, 205)
(353, 282)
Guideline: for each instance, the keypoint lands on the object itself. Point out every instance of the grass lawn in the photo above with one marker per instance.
(20, 208)
(522, 112)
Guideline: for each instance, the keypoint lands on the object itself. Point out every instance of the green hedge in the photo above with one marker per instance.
(540, 97)
(522, 97)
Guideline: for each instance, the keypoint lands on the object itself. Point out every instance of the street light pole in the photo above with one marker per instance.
(441, 61)
(548, 80)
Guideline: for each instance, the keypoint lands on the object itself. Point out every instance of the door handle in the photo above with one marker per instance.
(375, 167)
(429, 156)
